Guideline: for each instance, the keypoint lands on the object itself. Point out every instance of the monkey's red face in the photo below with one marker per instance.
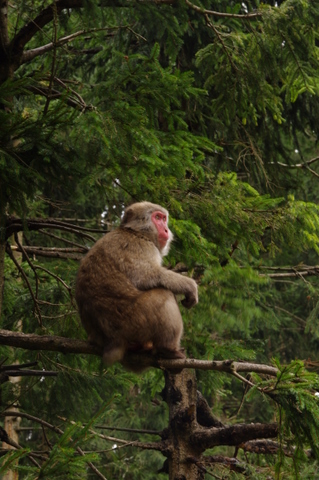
(160, 221)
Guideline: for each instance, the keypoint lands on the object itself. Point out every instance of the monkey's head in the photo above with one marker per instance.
(151, 220)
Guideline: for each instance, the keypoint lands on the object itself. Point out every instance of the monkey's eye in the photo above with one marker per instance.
(160, 216)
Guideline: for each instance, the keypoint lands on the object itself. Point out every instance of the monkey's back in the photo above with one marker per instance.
(104, 292)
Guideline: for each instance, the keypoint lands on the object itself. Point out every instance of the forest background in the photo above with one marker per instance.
(210, 109)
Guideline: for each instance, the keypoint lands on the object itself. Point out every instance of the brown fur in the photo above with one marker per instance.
(126, 298)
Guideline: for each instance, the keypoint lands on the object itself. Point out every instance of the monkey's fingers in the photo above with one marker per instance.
(189, 302)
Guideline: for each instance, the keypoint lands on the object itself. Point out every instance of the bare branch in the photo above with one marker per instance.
(227, 366)
(129, 430)
(304, 165)
(203, 11)
(53, 253)
(100, 435)
(221, 41)
(91, 465)
(313, 172)
(30, 373)
(36, 306)
(57, 278)
(14, 224)
(269, 447)
(53, 94)
(30, 29)
(285, 272)
(297, 165)
(64, 240)
(56, 430)
(50, 97)
(233, 463)
(35, 52)
(4, 437)
(22, 370)
(35, 250)
(10, 253)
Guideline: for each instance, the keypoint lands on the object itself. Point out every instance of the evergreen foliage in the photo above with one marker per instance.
(210, 109)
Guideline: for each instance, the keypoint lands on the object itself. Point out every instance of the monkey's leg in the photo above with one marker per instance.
(163, 322)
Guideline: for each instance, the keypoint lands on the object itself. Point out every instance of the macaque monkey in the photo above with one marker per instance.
(126, 298)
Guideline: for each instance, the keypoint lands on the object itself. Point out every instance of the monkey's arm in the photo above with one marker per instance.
(178, 284)
(141, 262)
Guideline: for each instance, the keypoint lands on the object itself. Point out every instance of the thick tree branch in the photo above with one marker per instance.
(227, 366)
(51, 343)
(31, 341)
(28, 31)
(204, 415)
(233, 435)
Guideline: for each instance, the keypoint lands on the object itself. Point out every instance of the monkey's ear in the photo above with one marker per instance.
(128, 215)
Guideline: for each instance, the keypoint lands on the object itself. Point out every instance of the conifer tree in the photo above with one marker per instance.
(209, 108)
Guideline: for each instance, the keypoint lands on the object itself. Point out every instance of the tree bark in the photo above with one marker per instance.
(12, 424)
(2, 256)
(180, 393)
(3, 221)
(187, 437)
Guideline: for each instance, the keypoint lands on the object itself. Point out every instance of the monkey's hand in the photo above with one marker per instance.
(191, 296)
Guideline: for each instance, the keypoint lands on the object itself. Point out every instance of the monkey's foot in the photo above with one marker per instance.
(148, 346)
(113, 353)
(140, 347)
(171, 354)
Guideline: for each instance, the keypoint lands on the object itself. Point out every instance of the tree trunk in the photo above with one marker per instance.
(2, 256)
(180, 393)
(12, 424)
